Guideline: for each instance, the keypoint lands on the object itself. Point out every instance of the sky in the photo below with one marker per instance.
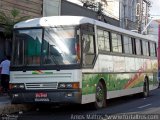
(155, 9)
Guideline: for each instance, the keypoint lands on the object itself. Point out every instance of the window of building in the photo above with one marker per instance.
(127, 42)
(103, 40)
(116, 43)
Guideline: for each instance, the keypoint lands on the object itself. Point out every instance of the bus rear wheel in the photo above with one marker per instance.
(100, 96)
(146, 88)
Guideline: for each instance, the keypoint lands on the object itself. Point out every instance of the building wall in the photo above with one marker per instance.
(72, 7)
(128, 18)
(32, 8)
(110, 7)
(134, 14)
(51, 7)
(68, 8)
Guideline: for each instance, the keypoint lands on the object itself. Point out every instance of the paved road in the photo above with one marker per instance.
(124, 105)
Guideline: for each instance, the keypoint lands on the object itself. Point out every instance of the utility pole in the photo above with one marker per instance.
(122, 13)
(139, 15)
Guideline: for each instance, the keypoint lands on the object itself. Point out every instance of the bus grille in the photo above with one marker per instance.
(36, 86)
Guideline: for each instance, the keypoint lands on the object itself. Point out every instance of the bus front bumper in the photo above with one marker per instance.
(69, 96)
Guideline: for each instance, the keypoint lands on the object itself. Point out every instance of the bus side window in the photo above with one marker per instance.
(128, 47)
(103, 40)
(145, 48)
(116, 42)
(152, 49)
(88, 50)
(138, 47)
(86, 46)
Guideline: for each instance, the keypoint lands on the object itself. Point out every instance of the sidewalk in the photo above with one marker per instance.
(7, 108)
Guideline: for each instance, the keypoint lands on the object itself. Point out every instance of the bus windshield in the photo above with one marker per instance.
(48, 46)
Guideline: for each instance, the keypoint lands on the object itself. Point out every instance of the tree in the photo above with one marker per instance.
(9, 20)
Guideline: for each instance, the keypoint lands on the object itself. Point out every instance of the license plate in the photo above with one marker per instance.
(41, 95)
(41, 100)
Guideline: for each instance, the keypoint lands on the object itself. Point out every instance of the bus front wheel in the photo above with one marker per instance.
(100, 96)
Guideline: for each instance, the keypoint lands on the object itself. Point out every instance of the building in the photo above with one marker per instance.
(96, 9)
(31, 8)
(134, 14)
(110, 7)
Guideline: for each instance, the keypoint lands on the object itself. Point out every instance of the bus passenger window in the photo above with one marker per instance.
(145, 48)
(152, 49)
(138, 47)
(116, 43)
(103, 40)
(127, 44)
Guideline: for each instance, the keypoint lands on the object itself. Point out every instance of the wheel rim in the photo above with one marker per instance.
(100, 96)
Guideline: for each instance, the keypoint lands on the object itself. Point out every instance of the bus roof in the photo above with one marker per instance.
(54, 21)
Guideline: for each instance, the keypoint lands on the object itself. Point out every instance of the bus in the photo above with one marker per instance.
(158, 51)
(75, 59)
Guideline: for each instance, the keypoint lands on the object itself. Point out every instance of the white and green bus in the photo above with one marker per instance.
(74, 59)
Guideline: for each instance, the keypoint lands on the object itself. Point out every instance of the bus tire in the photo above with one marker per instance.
(146, 87)
(100, 97)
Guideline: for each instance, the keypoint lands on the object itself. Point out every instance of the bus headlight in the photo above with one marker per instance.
(62, 85)
(16, 86)
(74, 85)
(21, 86)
